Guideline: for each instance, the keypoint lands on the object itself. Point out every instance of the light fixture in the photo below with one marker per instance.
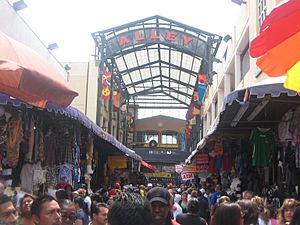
(53, 46)
(217, 60)
(257, 110)
(240, 113)
(239, 2)
(19, 5)
(67, 67)
(227, 38)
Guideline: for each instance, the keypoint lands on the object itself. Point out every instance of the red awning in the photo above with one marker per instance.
(145, 164)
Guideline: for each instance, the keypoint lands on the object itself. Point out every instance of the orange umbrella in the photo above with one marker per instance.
(25, 75)
(278, 44)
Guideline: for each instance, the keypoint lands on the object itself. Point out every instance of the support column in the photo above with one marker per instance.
(227, 84)
(208, 121)
(213, 111)
(220, 101)
(237, 68)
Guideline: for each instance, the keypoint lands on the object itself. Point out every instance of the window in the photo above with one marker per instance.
(262, 11)
(169, 138)
(149, 136)
(245, 62)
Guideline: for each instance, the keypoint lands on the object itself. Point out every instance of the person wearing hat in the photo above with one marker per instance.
(161, 206)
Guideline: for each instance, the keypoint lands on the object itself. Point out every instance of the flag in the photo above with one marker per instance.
(116, 100)
(106, 84)
(201, 87)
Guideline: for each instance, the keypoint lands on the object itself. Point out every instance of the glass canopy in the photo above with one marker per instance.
(156, 61)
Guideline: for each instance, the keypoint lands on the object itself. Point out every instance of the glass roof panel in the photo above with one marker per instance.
(164, 54)
(153, 55)
(174, 74)
(126, 79)
(142, 57)
(190, 91)
(120, 64)
(135, 76)
(185, 77)
(145, 73)
(130, 60)
(156, 83)
(187, 61)
(131, 90)
(165, 83)
(155, 71)
(165, 71)
(175, 58)
(196, 65)
(193, 80)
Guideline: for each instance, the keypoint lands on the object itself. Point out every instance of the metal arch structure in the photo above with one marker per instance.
(155, 61)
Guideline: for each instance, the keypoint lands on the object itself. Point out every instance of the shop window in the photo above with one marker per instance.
(169, 138)
(149, 136)
(245, 62)
(262, 11)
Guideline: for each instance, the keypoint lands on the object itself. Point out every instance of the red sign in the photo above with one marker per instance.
(187, 176)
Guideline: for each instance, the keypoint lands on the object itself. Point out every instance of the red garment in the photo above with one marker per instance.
(175, 223)
(212, 165)
(226, 164)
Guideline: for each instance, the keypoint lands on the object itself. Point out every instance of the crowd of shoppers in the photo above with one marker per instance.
(146, 205)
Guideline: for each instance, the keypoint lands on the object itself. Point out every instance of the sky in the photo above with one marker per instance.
(70, 23)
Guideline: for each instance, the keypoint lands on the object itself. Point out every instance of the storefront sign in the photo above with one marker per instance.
(187, 176)
(189, 168)
(117, 162)
(178, 168)
(159, 174)
(161, 35)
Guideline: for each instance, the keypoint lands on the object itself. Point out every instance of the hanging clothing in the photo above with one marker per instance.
(263, 142)
(15, 134)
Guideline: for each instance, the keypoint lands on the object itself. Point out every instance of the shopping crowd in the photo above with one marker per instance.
(145, 205)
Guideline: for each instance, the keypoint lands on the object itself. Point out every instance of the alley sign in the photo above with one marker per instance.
(160, 35)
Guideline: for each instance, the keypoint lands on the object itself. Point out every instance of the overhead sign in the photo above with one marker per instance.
(117, 162)
(187, 176)
(189, 168)
(178, 168)
(160, 35)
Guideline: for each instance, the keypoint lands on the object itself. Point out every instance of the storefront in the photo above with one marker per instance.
(254, 139)
(43, 148)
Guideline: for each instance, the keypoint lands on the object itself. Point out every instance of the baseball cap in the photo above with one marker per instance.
(159, 194)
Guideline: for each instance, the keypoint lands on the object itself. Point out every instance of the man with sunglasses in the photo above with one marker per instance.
(8, 213)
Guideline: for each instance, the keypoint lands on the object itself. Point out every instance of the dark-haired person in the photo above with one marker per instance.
(161, 206)
(46, 211)
(68, 211)
(81, 211)
(99, 213)
(25, 217)
(192, 216)
(8, 213)
(129, 209)
(250, 211)
(296, 216)
(227, 214)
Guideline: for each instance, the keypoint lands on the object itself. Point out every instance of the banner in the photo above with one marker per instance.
(202, 162)
(201, 87)
(106, 85)
(116, 100)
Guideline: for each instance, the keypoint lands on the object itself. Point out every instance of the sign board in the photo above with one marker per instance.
(178, 168)
(117, 162)
(189, 168)
(159, 174)
(187, 176)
